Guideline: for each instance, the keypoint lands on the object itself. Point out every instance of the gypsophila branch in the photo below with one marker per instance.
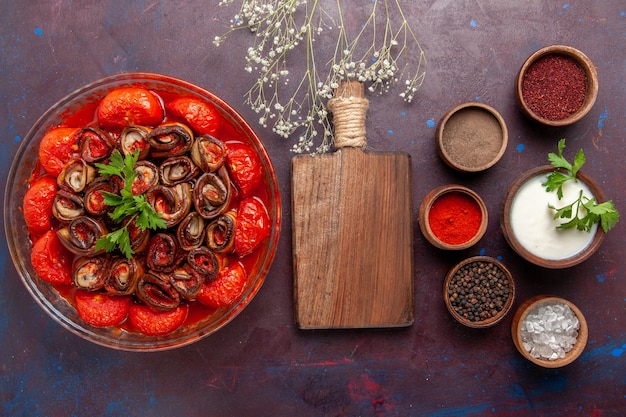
(382, 53)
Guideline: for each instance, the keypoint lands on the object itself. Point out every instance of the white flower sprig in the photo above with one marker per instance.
(382, 53)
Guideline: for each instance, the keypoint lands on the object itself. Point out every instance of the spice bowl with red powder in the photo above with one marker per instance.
(557, 86)
(479, 291)
(453, 217)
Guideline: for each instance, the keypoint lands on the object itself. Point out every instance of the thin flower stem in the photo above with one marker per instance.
(281, 26)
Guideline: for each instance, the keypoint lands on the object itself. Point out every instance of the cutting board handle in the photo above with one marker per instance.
(349, 107)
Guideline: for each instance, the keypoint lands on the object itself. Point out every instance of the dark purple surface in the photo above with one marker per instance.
(260, 364)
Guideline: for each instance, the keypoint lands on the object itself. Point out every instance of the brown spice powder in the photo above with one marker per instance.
(472, 137)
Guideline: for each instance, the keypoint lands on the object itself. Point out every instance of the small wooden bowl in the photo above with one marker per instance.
(521, 314)
(471, 137)
(488, 322)
(591, 90)
(516, 245)
(427, 204)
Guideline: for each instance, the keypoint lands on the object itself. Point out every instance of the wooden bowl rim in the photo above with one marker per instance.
(527, 307)
(492, 320)
(427, 203)
(507, 230)
(591, 92)
(440, 133)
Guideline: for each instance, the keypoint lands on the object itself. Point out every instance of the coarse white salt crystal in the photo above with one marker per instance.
(550, 330)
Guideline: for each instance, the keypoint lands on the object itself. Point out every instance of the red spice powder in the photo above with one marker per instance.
(454, 218)
(554, 87)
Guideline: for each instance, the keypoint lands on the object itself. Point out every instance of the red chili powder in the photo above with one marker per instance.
(454, 218)
(554, 87)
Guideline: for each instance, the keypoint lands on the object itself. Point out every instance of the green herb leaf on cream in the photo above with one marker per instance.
(584, 212)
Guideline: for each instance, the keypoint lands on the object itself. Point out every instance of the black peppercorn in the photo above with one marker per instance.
(478, 290)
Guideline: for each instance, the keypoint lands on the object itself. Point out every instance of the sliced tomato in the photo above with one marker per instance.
(130, 106)
(58, 146)
(51, 260)
(252, 226)
(245, 167)
(199, 115)
(226, 288)
(153, 323)
(102, 310)
(37, 204)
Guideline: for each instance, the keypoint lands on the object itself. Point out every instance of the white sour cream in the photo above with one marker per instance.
(533, 224)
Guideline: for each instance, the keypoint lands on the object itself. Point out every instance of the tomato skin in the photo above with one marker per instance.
(58, 146)
(51, 260)
(102, 310)
(130, 106)
(252, 227)
(199, 115)
(37, 205)
(225, 289)
(153, 323)
(245, 167)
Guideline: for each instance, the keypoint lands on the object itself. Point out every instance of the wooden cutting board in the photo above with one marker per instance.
(352, 229)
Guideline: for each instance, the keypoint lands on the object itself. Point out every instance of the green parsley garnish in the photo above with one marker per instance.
(591, 212)
(126, 205)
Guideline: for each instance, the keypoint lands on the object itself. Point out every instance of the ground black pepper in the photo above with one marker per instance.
(478, 291)
(472, 137)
